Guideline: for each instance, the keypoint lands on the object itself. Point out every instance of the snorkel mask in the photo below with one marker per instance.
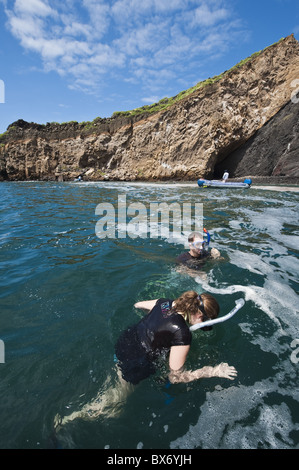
(199, 245)
(202, 245)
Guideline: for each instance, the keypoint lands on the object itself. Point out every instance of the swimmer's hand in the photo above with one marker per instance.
(215, 253)
(222, 370)
(226, 371)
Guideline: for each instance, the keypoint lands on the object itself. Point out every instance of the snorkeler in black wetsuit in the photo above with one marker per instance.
(162, 330)
(198, 252)
(139, 346)
(192, 262)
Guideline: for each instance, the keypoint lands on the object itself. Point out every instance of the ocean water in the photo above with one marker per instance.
(66, 295)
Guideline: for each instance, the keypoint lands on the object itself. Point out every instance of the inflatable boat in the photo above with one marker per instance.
(202, 183)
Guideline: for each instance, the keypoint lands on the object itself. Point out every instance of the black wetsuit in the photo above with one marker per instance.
(193, 262)
(140, 345)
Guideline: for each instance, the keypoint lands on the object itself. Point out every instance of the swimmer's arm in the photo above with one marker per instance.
(146, 305)
(177, 358)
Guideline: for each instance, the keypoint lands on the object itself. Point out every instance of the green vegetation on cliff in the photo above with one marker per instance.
(166, 102)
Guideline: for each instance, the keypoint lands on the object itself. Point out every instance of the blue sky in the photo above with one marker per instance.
(77, 60)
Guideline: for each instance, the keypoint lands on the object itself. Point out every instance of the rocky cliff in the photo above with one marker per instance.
(273, 151)
(231, 122)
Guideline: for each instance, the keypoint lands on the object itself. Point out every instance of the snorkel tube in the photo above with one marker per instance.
(208, 236)
(239, 304)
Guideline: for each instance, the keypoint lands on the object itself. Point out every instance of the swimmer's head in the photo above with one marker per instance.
(195, 236)
(197, 308)
(209, 307)
(196, 242)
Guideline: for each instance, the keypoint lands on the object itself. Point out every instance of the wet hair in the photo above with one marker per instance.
(210, 309)
(194, 235)
(190, 303)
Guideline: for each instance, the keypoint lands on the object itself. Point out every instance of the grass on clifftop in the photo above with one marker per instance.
(166, 102)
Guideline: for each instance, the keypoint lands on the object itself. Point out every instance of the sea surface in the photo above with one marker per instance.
(66, 294)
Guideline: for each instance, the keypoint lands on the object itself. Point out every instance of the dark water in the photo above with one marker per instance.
(66, 295)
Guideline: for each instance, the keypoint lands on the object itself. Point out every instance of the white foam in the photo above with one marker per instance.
(225, 418)
(252, 293)
(241, 416)
(278, 188)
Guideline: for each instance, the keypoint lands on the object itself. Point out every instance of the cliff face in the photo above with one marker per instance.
(196, 137)
(272, 151)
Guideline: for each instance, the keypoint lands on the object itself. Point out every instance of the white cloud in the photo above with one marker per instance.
(24, 27)
(206, 15)
(151, 99)
(99, 16)
(138, 41)
(128, 10)
(33, 7)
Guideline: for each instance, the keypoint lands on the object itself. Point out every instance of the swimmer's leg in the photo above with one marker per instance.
(108, 402)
